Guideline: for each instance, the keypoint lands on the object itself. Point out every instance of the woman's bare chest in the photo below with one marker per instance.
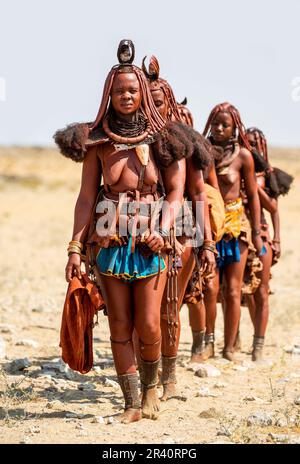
(125, 164)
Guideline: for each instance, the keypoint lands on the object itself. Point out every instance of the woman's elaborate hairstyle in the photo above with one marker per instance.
(234, 113)
(75, 138)
(148, 107)
(157, 83)
(260, 140)
(278, 182)
(179, 137)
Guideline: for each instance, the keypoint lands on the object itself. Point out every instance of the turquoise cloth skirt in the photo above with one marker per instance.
(229, 252)
(121, 263)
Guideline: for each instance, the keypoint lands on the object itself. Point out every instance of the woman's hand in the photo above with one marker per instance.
(207, 263)
(258, 243)
(155, 242)
(276, 250)
(73, 267)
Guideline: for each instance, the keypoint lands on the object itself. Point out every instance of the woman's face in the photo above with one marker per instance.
(126, 96)
(252, 140)
(222, 127)
(160, 102)
(255, 143)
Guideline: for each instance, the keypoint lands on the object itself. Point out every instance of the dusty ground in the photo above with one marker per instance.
(43, 404)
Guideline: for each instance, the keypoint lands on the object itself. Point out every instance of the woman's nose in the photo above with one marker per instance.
(126, 96)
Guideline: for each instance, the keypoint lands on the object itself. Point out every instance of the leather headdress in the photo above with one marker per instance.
(157, 83)
(74, 140)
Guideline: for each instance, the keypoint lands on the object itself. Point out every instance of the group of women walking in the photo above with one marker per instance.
(158, 184)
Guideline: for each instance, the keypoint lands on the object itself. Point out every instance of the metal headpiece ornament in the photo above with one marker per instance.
(126, 52)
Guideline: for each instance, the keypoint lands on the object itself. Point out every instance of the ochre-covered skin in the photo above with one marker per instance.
(232, 167)
(258, 302)
(165, 102)
(135, 305)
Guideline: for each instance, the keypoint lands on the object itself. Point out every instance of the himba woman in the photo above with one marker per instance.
(202, 307)
(272, 182)
(234, 165)
(123, 146)
(165, 102)
(201, 316)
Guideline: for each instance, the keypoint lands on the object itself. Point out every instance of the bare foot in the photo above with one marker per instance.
(196, 358)
(169, 391)
(150, 403)
(257, 354)
(237, 344)
(129, 415)
(208, 352)
(229, 355)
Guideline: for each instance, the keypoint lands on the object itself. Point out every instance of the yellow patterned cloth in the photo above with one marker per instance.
(233, 219)
(216, 212)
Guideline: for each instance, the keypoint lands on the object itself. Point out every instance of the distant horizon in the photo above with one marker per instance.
(54, 146)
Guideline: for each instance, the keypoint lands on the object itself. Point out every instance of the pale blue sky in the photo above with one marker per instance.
(55, 55)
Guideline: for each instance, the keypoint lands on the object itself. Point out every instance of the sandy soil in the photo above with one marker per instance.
(47, 403)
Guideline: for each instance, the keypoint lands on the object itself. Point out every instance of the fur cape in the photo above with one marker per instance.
(177, 141)
(74, 140)
(174, 142)
(278, 182)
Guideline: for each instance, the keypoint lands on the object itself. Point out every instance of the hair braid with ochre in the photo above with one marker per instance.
(260, 140)
(157, 83)
(148, 107)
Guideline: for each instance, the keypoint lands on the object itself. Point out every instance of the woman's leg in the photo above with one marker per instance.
(251, 307)
(169, 347)
(233, 274)
(261, 297)
(120, 320)
(210, 301)
(147, 294)
(202, 321)
(197, 318)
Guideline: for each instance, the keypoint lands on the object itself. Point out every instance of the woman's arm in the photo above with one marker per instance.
(276, 238)
(195, 188)
(268, 203)
(90, 181)
(174, 182)
(248, 175)
(196, 192)
(212, 178)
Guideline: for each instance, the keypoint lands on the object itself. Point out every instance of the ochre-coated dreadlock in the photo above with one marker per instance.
(234, 113)
(260, 140)
(278, 182)
(148, 108)
(157, 83)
